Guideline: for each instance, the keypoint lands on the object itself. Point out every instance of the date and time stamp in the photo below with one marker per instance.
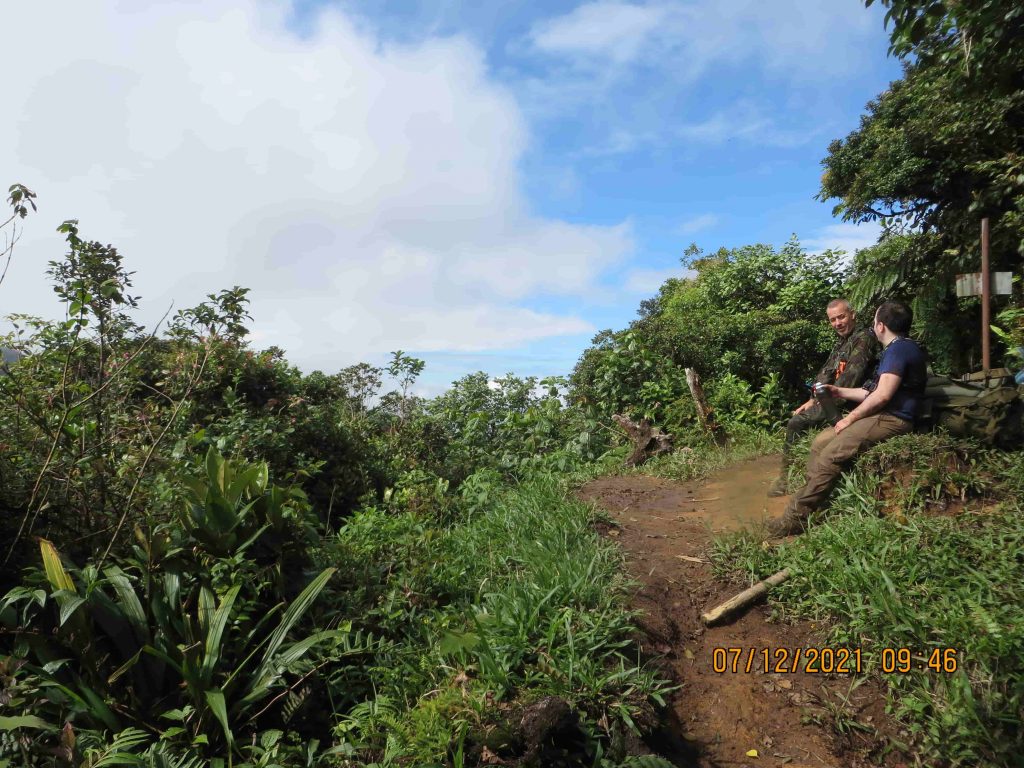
(833, 661)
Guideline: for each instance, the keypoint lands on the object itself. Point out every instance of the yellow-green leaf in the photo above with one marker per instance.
(54, 568)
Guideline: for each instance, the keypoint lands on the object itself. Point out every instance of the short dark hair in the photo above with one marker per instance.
(896, 316)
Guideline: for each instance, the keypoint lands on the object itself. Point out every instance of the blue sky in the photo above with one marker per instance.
(483, 185)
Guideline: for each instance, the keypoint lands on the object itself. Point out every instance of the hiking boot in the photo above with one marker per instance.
(784, 526)
(779, 487)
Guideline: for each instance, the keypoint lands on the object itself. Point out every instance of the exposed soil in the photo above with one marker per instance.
(791, 719)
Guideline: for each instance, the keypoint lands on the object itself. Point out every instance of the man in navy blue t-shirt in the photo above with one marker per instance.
(888, 404)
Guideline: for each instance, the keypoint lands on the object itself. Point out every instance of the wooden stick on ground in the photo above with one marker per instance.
(744, 598)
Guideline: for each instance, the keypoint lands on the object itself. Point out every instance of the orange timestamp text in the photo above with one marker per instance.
(827, 661)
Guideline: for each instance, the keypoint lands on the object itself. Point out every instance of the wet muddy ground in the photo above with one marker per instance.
(721, 719)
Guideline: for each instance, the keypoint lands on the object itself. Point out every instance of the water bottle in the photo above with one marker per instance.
(827, 402)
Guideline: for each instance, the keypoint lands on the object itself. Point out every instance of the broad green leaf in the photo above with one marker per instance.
(24, 721)
(295, 611)
(98, 708)
(68, 605)
(262, 683)
(215, 699)
(215, 469)
(215, 633)
(250, 478)
(129, 602)
(207, 606)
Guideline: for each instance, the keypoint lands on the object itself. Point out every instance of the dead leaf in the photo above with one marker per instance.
(752, 753)
(689, 559)
(613, 532)
(787, 684)
(487, 757)
(688, 654)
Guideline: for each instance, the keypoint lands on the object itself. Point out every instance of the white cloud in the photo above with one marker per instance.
(698, 223)
(687, 37)
(603, 29)
(653, 54)
(369, 194)
(843, 237)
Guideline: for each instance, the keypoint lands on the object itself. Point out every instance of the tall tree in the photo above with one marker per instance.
(940, 149)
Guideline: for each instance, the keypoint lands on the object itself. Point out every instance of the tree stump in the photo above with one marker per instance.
(704, 413)
(647, 441)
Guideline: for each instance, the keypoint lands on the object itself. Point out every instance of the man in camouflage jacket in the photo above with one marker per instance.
(849, 364)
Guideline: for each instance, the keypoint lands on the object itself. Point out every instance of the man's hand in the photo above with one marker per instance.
(804, 407)
(843, 423)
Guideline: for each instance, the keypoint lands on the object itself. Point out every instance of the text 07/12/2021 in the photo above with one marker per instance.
(824, 660)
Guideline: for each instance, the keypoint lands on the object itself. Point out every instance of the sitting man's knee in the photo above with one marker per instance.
(822, 439)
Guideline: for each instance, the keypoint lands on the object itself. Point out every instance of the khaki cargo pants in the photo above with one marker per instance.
(830, 453)
(812, 418)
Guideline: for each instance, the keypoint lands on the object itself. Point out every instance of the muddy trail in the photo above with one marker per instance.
(720, 719)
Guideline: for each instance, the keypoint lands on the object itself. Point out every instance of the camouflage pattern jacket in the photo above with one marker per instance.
(851, 360)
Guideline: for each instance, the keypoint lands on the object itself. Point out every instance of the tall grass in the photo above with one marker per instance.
(516, 600)
(923, 582)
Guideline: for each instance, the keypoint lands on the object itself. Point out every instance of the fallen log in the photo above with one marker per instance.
(647, 441)
(744, 598)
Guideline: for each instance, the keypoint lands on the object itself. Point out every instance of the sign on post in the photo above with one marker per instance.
(970, 284)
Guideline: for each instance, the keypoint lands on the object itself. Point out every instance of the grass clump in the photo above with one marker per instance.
(924, 581)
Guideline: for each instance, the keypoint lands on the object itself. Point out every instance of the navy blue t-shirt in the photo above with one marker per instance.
(907, 360)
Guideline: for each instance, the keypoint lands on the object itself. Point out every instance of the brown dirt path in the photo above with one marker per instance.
(790, 719)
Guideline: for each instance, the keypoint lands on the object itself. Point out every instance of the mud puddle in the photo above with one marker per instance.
(721, 719)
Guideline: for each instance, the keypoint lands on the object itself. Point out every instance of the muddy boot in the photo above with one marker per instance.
(780, 487)
(787, 525)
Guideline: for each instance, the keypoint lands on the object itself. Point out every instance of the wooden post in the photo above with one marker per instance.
(744, 598)
(986, 298)
(704, 413)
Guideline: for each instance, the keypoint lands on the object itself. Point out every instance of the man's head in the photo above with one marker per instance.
(893, 318)
(841, 317)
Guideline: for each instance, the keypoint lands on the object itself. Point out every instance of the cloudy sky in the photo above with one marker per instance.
(483, 185)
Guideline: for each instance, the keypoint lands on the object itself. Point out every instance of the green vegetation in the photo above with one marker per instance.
(748, 321)
(936, 152)
(922, 548)
(211, 558)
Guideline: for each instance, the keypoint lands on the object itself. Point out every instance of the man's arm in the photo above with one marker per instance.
(827, 375)
(853, 394)
(804, 406)
(870, 402)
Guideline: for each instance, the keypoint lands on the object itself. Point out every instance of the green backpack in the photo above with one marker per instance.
(989, 410)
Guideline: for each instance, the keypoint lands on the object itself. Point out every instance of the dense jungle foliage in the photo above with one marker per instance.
(212, 558)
